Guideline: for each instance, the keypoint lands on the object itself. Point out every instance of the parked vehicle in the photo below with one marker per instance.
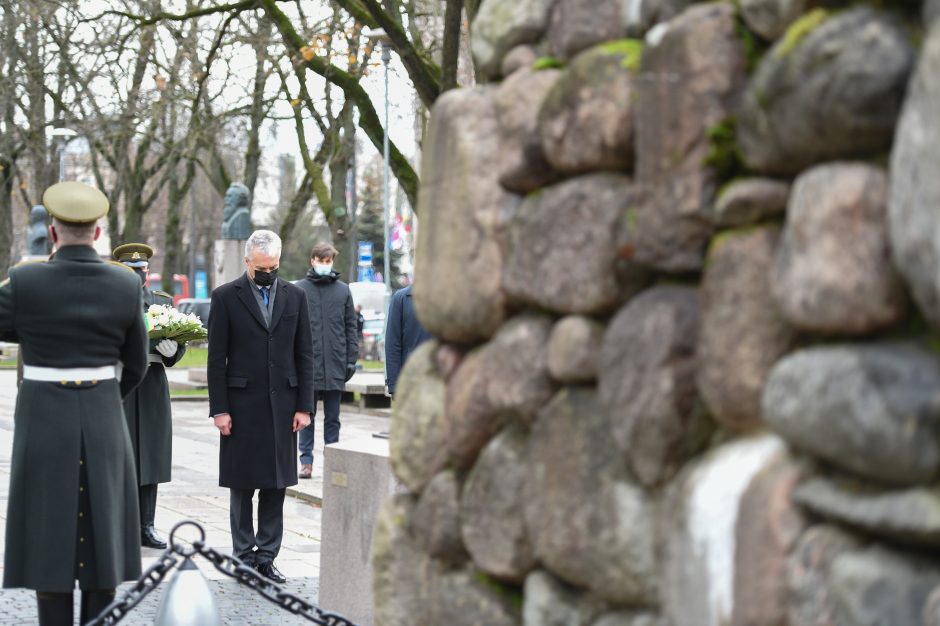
(199, 306)
(373, 337)
(371, 296)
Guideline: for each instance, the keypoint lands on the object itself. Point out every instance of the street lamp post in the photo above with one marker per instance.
(60, 150)
(380, 36)
(386, 57)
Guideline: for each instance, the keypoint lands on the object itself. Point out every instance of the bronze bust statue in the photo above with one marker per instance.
(236, 217)
(37, 237)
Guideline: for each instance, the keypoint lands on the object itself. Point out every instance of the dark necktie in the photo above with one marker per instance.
(264, 296)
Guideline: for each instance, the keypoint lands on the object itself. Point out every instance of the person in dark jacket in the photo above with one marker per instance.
(360, 325)
(403, 333)
(260, 371)
(72, 509)
(333, 326)
(147, 409)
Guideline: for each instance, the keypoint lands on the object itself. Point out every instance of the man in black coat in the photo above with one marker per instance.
(147, 409)
(260, 371)
(72, 511)
(333, 327)
(403, 333)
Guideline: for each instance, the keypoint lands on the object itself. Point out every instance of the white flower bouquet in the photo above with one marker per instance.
(165, 322)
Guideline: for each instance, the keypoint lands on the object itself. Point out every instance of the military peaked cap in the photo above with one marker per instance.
(133, 254)
(75, 203)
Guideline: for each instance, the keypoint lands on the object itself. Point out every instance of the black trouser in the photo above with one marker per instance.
(147, 495)
(260, 548)
(55, 609)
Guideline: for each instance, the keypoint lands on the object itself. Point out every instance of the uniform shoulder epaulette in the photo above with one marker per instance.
(157, 292)
(26, 263)
(121, 265)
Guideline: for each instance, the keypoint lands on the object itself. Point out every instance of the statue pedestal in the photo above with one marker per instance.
(229, 261)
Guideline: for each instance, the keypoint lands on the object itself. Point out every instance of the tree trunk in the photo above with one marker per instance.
(173, 259)
(133, 211)
(451, 51)
(10, 23)
(36, 96)
(256, 118)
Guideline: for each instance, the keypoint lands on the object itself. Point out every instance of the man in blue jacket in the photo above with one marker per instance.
(403, 333)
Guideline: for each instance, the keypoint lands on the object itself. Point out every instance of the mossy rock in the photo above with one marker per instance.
(629, 50)
(799, 30)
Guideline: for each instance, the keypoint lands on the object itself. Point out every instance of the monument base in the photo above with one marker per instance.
(229, 260)
(357, 479)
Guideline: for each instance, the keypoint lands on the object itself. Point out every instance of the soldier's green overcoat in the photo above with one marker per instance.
(72, 512)
(148, 413)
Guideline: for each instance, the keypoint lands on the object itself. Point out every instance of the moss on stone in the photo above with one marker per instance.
(630, 49)
(799, 30)
(724, 156)
(547, 63)
(630, 219)
(513, 594)
(763, 101)
(754, 48)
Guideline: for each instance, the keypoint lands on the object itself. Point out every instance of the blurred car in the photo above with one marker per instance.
(373, 336)
(370, 296)
(199, 306)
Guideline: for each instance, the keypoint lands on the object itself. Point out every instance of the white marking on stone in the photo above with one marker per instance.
(656, 34)
(717, 487)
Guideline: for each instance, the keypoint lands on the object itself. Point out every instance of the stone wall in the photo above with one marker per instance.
(686, 290)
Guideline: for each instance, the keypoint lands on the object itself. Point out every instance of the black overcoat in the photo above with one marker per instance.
(74, 311)
(148, 411)
(334, 328)
(260, 376)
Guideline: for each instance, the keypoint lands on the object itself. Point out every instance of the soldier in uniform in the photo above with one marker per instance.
(72, 510)
(147, 409)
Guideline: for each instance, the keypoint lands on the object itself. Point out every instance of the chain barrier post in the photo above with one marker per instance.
(184, 604)
(188, 601)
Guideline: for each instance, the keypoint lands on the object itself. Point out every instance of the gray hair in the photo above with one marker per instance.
(265, 240)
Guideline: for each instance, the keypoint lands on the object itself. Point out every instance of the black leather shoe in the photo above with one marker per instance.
(269, 571)
(150, 539)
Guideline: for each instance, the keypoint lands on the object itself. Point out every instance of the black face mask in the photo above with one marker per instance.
(265, 279)
(142, 275)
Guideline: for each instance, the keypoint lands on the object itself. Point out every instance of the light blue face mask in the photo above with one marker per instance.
(323, 270)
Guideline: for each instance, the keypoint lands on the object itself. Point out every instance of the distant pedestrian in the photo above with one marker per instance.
(334, 328)
(147, 409)
(403, 333)
(72, 511)
(360, 326)
(260, 370)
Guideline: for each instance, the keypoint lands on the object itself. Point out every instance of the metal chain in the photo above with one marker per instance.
(249, 577)
(228, 565)
(148, 581)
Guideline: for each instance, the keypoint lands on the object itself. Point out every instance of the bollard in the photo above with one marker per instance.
(188, 600)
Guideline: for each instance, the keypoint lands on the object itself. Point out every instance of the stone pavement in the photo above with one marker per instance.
(195, 494)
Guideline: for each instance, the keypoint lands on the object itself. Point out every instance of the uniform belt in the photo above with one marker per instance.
(69, 374)
(155, 358)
